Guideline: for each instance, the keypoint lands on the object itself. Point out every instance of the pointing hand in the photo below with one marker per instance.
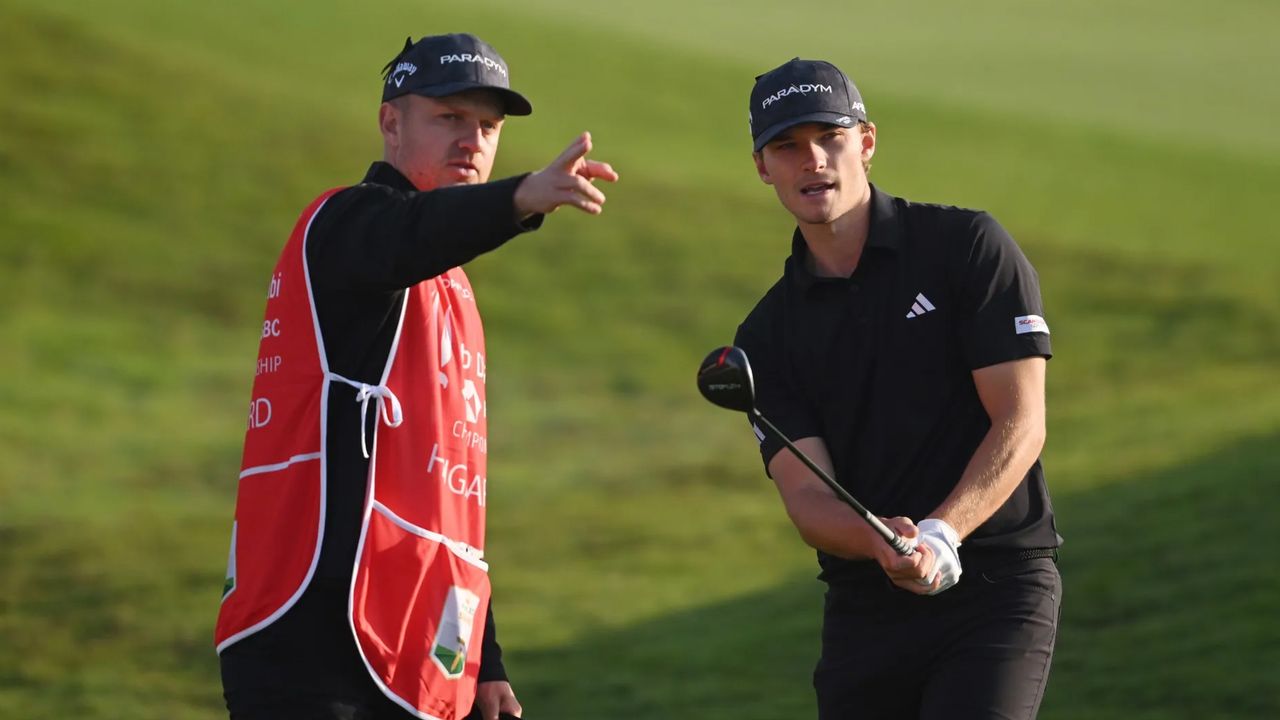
(566, 181)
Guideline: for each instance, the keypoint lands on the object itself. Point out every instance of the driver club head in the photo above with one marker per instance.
(724, 378)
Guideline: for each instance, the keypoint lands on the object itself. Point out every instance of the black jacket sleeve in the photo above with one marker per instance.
(376, 237)
(491, 667)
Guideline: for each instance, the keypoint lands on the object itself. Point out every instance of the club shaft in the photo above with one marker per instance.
(894, 540)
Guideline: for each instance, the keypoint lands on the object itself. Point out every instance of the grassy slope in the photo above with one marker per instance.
(148, 184)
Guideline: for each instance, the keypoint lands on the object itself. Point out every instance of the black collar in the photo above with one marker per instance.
(883, 232)
(383, 173)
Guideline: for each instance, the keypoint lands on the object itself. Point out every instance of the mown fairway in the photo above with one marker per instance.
(153, 156)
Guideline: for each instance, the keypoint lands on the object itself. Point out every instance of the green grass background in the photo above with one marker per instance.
(153, 156)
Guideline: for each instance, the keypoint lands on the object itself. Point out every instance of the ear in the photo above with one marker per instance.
(758, 157)
(868, 141)
(389, 124)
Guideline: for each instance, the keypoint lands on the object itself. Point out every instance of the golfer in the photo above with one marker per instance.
(357, 585)
(904, 349)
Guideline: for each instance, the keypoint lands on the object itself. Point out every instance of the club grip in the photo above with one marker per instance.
(900, 545)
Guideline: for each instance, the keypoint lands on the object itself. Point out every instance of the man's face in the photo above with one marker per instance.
(817, 169)
(438, 142)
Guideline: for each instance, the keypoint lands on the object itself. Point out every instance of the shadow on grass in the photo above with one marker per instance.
(1170, 612)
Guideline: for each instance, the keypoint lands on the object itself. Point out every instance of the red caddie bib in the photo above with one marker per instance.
(420, 586)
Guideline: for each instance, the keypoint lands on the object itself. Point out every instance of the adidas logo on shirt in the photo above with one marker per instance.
(920, 306)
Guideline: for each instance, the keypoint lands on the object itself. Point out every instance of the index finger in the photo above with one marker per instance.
(575, 152)
(594, 169)
(911, 565)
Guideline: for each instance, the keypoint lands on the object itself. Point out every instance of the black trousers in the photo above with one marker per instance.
(980, 650)
(305, 666)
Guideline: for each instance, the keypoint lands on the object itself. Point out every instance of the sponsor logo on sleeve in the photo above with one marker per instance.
(1024, 324)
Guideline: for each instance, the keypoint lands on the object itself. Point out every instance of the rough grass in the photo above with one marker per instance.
(153, 156)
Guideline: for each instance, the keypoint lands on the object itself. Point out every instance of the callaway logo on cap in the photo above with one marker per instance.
(440, 65)
(801, 91)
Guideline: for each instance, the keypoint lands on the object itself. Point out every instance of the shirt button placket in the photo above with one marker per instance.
(855, 304)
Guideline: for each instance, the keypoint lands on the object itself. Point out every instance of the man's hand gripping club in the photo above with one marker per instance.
(935, 564)
(566, 181)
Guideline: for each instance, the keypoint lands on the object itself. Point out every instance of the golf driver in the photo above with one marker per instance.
(724, 378)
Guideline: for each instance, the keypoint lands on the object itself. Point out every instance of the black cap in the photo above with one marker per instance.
(801, 91)
(440, 65)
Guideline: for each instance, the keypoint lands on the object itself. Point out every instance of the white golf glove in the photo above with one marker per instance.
(944, 541)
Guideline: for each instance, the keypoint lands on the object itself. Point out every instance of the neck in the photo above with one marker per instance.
(390, 157)
(836, 247)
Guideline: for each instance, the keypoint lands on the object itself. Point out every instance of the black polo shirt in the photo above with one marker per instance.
(879, 364)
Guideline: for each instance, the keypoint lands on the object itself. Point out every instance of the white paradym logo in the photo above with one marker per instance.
(845, 120)
(402, 71)
(803, 89)
(859, 106)
(469, 57)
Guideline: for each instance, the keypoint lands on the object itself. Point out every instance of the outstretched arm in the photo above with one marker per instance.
(381, 238)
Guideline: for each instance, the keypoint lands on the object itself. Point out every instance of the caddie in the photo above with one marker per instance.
(357, 585)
